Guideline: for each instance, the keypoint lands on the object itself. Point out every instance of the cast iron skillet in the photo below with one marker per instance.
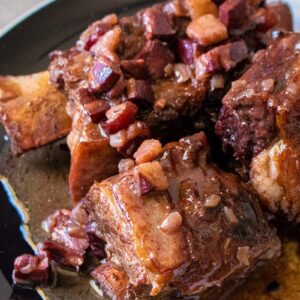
(24, 49)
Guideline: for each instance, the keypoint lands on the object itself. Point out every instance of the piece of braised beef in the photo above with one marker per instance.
(195, 223)
(259, 120)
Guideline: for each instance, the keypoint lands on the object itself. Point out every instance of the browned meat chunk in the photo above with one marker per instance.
(32, 111)
(92, 158)
(260, 119)
(199, 230)
(198, 8)
(248, 118)
(141, 76)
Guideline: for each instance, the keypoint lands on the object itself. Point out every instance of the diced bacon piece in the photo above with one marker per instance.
(207, 30)
(198, 8)
(206, 64)
(96, 110)
(232, 54)
(148, 151)
(128, 140)
(108, 43)
(119, 117)
(103, 75)
(154, 174)
(224, 57)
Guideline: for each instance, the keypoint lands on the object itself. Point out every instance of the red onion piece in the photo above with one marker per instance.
(119, 117)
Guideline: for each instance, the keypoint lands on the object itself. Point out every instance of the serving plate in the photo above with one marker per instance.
(35, 184)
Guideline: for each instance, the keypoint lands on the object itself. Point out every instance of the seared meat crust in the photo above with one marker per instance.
(32, 111)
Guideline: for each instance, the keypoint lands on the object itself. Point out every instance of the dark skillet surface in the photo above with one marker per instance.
(40, 174)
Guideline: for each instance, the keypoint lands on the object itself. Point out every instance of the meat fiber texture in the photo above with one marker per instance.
(260, 120)
(206, 231)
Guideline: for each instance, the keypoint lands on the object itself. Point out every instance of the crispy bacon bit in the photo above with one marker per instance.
(233, 53)
(125, 165)
(156, 56)
(230, 216)
(103, 75)
(212, 201)
(207, 64)
(243, 255)
(223, 57)
(96, 110)
(108, 43)
(154, 174)
(186, 50)
(172, 223)
(135, 68)
(31, 270)
(119, 117)
(157, 23)
(207, 30)
(233, 13)
(148, 151)
(198, 8)
(91, 36)
(139, 91)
